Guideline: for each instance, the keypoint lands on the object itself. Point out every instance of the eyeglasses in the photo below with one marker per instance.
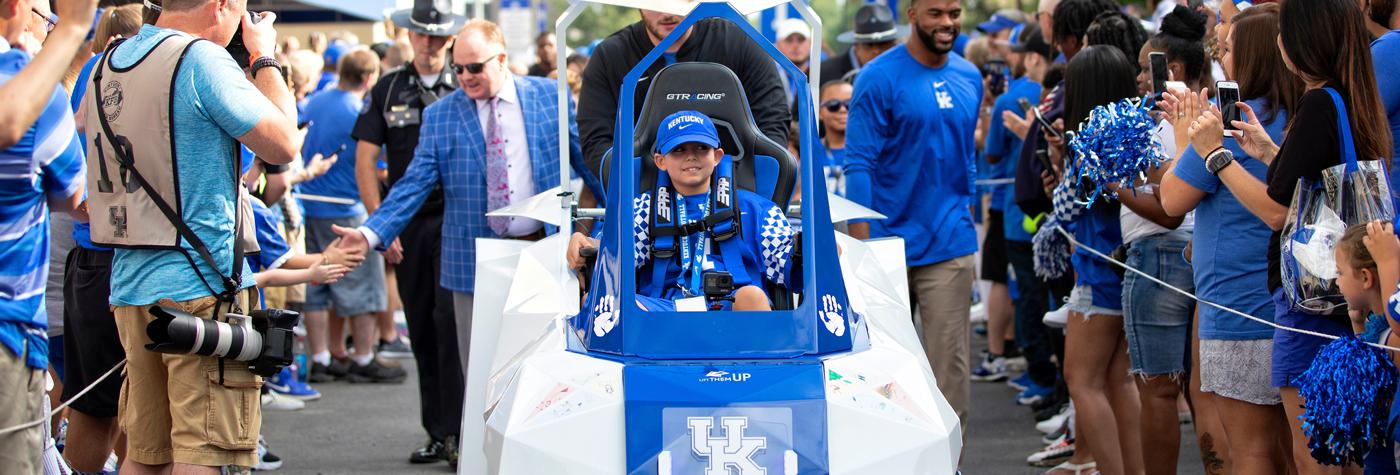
(49, 18)
(834, 105)
(473, 68)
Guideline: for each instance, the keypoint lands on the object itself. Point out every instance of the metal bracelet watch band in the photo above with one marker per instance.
(1218, 160)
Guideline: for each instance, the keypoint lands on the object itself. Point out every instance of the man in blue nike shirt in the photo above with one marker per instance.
(910, 136)
(688, 151)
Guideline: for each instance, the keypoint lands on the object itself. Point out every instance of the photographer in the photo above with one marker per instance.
(179, 65)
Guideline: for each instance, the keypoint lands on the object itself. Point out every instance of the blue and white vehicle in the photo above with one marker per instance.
(833, 380)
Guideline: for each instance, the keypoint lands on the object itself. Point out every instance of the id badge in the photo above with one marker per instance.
(692, 304)
(402, 116)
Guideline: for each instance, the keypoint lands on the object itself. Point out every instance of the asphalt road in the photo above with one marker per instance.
(371, 429)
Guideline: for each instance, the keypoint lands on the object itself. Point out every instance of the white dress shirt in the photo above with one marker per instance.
(521, 173)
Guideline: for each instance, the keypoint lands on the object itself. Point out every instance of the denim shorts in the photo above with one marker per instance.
(1081, 300)
(1157, 320)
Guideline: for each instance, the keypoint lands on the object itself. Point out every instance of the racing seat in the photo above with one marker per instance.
(760, 165)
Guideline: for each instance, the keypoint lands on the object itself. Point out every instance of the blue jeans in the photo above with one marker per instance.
(1157, 320)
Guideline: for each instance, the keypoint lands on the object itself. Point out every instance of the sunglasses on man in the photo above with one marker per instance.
(473, 68)
(835, 106)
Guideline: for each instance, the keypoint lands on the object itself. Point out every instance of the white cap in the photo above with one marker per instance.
(793, 26)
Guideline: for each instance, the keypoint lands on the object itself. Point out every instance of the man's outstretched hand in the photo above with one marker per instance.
(352, 240)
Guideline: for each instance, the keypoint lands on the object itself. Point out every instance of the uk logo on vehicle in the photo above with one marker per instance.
(727, 441)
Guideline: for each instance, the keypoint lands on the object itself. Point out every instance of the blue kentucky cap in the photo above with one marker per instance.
(685, 127)
(997, 23)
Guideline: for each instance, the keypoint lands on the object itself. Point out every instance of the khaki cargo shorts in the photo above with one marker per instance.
(174, 407)
(21, 401)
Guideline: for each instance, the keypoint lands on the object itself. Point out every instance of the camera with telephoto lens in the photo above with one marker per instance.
(718, 285)
(263, 338)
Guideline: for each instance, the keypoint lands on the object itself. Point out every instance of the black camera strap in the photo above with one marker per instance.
(232, 282)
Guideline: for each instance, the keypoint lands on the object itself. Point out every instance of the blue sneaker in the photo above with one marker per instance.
(287, 384)
(1034, 393)
(991, 369)
(1021, 383)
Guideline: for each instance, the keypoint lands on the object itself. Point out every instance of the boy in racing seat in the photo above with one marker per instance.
(703, 224)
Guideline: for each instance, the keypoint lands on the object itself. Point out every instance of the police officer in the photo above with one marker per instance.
(391, 120)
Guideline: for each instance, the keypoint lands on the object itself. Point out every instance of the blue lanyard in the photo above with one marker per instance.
(692, 267)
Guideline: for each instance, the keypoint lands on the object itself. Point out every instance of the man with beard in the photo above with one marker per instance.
(910, 135)
(713, 40)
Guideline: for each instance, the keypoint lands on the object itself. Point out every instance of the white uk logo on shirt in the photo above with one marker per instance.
(945, 100)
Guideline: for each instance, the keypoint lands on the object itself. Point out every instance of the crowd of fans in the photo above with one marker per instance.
(958, 138)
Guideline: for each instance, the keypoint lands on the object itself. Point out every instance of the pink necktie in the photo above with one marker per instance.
(497, 174)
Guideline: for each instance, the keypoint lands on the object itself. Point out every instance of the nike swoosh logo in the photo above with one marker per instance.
(939, 83)
(277, 387)
(684, 126)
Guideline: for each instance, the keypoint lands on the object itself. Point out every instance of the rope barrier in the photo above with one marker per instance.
(995, 182)
(49, 415)
(1078, 246)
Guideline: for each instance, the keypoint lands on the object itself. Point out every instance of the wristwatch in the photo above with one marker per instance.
(1218, 160)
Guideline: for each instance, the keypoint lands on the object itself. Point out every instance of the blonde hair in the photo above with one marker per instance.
(124, 20)
(358, 66)
(488, 30)
(306, 66)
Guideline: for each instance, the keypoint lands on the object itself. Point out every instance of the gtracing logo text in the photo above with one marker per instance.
(719, 376)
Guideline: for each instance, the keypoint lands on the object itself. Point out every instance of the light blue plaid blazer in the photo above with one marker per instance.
(452, 151)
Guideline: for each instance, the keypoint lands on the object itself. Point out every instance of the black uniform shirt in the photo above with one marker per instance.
(392, 118)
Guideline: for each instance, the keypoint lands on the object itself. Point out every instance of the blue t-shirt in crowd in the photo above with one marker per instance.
(1385, 51)
(1000, 142)
(1098, 228)
(273, 249)
(766, 246)
(1229, 250)
(332, 114)
(916, 165)
(82, 232)
(835, 159)
(47, 162)
(213, 104)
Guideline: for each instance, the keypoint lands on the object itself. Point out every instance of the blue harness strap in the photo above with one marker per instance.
(720, 223)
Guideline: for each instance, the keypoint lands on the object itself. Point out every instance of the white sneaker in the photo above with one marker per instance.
(1054, 423)
(273, 401)
(1052, 454)
(978, 312)
(1057, 318)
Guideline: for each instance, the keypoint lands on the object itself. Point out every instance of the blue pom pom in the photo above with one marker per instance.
(1348, 390)
(1115, 146)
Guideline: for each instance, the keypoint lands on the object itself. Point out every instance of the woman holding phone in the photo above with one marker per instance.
(1230, 248)
(1324, 42)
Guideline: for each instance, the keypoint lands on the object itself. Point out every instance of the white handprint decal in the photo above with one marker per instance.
(606, 315)
(832, 316)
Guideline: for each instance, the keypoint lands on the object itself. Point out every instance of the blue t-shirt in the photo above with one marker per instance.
(1229, 250)
(213, 104)
(835, 159)
(1000, 142)
(1385, 51)
(916, 165)
(273, 248)
(1098, 227)
(82, 232)
(47, 162)
(332, 114)
(766, 246)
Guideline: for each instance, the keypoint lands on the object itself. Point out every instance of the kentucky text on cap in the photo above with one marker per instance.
(685, 127)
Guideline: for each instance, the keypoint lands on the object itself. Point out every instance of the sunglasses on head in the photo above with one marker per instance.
(836, 105)
(473, 68)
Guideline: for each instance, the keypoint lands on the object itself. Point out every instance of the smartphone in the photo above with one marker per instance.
(1228, 94)
(1045, 124)
(1025, 105)
(1157, 63)
(995, 71)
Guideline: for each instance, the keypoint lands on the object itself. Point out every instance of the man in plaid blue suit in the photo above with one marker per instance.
(492, 142)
